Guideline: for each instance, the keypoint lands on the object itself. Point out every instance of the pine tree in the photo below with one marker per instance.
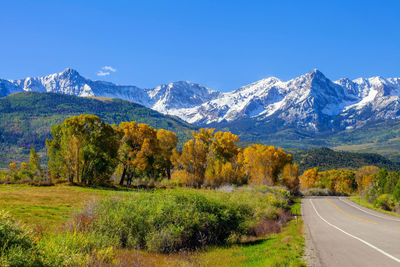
(34, 162)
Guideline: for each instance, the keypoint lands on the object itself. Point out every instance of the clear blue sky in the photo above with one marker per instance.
(221, 44)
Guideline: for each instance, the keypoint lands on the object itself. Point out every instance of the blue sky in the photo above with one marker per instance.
(221, 44)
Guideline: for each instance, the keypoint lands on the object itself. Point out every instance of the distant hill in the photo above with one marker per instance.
(26, 119)
(326, 159)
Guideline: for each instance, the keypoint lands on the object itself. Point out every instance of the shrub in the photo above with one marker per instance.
(386, 202)
(167, 222)
(171, 220)
(18, 247)
(74, 249)
(16, 243)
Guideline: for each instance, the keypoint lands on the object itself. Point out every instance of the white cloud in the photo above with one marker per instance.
(106, 70)
(103, 73)
(109, 68)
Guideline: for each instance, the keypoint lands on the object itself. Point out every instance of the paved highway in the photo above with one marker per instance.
(343, 233)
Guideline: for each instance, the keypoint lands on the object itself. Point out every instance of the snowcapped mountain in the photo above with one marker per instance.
(310, 102)
(164, 98)
(7, 88)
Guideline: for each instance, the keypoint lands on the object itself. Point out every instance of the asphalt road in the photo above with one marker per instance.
(343, 233)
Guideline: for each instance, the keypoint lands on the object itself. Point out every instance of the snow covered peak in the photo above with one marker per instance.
(69, 71)
(317, 74)
(311, 101)
(178, 95)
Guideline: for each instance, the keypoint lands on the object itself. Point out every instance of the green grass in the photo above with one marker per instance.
(282, 249)
(47, 206)
(359, 200)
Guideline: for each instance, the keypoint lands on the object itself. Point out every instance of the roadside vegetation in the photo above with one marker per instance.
(377, 187)
(361, 201)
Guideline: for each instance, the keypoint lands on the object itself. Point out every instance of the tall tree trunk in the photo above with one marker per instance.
(169, 172)
(82, 179)
(129, 181)
(77, 165)
(121, 182)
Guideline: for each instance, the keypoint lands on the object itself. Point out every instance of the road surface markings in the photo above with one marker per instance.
(351, 216)
(369, 212)
(355, 237)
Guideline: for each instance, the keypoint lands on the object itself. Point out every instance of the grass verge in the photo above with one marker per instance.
(360, 201)
(283, 249)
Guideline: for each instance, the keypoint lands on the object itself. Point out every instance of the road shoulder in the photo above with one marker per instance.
(310, 252)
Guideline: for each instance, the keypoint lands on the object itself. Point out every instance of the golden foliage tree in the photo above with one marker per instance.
(290, 177)
(264, 163)
(209, 158)
(167, 142)
(192, 163)
(138, 151)
(309, 178)
(365, 176)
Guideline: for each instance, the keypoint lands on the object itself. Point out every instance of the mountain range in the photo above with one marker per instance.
(310, 111)
(310, 103)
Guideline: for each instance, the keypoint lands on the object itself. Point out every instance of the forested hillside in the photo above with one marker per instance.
(382, 138)
(26, 119)
(327, 159)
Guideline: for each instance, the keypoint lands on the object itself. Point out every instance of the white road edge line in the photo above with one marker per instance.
(368, 211)
(359, 239)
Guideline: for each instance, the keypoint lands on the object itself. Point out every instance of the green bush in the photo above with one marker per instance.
(171, 220)
(17, 246)
(73, 249)
(386, 202)
(166, 222)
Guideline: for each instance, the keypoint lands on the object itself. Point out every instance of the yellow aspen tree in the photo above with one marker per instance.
(309, 178)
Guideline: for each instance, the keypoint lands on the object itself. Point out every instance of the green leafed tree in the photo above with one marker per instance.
(83, 150)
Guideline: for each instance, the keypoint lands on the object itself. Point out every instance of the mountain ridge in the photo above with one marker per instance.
(310, 102)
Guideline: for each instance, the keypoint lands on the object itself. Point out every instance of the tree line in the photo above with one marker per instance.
(377, 186)
(85, 150)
